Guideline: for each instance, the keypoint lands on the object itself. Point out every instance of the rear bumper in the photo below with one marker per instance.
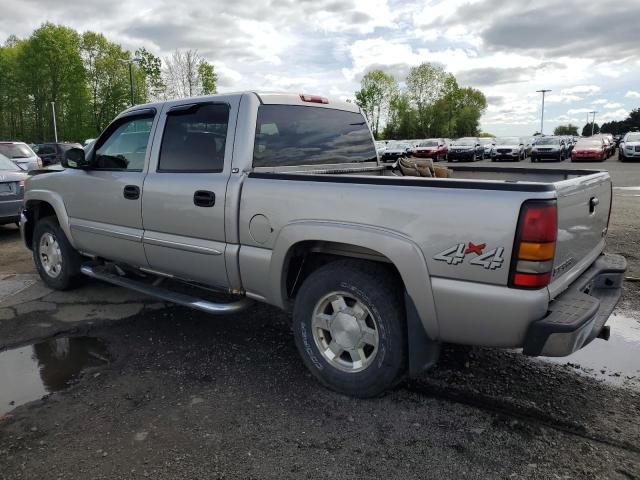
(578, 315)
(10, 211)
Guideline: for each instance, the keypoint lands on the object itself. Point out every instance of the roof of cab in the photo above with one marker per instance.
(267, 98)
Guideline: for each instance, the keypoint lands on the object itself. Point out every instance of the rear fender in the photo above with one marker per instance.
(403, 253)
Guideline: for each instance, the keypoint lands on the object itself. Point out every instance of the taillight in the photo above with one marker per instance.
(313, 99)
(21, 183)
(40, 162)
(535, 244)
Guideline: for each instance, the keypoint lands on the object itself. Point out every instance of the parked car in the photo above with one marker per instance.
(466, 148)
(12, 180)
(53, 153)
(380, 147)
(488, 144)
(629, 147)
(21, 154)
(589, 149)
(508, 148)
(281, 199)
(395, 150)
(528, 145)
(545, 148)
(435, 148)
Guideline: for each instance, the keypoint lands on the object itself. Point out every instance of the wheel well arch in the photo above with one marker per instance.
(307, 256)
(34, 211)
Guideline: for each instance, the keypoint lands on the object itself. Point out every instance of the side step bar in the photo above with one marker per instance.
(168, 295)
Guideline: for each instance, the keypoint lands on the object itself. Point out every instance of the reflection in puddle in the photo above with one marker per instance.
(29, 373)
(616, 361)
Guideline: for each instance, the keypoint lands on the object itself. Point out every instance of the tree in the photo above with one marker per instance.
(208, 78)
(566, 130)
(51, 70)
(185, 76)
(151, 86)
(374, 97)
(426, 84)
(107, 77)
(586, 130)
(631, 123)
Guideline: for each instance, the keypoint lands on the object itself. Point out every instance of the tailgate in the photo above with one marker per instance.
(583, 216)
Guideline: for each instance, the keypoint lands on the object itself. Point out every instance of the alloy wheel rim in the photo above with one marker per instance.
(50, 255)
(345, 332)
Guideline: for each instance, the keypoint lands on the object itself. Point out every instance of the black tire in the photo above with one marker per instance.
(621, 157)
(69, 273)
(375, 287)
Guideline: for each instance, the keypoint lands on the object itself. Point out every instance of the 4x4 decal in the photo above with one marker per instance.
(456, 254)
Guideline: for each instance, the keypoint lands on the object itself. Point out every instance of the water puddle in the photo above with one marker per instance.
(616, 361)
(31, 372)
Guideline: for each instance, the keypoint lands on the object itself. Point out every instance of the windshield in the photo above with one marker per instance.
(6, 164)
(429, 143)
(633, 137)
(399, 146)
(486, 141)
(466, 141)
(548, 141)
(508, 141)
(15, 150)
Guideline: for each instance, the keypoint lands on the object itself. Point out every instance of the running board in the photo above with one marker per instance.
(168, 295)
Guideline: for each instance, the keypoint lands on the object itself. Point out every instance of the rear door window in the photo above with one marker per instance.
(297, 135)
(194, 139)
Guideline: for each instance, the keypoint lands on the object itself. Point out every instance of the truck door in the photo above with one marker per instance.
(184, 192)
(104, 201)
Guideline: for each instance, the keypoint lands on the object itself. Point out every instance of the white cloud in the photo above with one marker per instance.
(601, 101)
(564, 98)
(619, 114)
(581, 89)
(575, 111)
(612, 105)
(632, 94)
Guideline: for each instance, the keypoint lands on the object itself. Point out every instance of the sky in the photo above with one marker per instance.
(587, 53)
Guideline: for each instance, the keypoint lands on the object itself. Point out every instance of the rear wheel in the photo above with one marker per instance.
(58, 264)
(349, 327)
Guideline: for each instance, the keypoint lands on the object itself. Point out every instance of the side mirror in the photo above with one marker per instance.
(74, 158)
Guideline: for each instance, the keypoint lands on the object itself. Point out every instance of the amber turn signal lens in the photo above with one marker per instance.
(536, 251)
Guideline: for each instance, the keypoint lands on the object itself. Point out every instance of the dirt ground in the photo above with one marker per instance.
(183, 395)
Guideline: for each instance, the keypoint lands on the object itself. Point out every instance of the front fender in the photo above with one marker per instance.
(55, 200)
(405, 255)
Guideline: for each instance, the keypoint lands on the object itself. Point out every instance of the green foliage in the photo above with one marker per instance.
(486, 135)
(586, 130)
(631, 123)
(433, 105)
(86, 75)
(208, 78)
(374, 97)
(566, 130)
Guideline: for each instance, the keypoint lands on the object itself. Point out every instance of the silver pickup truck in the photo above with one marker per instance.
(281, 198)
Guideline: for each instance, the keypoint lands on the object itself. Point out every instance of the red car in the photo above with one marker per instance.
(436, 148)
(589, 150)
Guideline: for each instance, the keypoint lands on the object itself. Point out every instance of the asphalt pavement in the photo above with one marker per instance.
(104, 383)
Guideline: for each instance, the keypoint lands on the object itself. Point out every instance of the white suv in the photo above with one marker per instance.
(630, 147)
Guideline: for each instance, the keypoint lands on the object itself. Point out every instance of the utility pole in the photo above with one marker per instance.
(130, 62)
(55, 127)
(593, 123)
(543, 92)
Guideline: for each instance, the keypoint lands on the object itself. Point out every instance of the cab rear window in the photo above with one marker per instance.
(298, 135)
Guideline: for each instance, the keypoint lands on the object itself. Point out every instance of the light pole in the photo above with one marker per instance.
(130, 62)
(543, 92)
(55, 127)
(593, 123)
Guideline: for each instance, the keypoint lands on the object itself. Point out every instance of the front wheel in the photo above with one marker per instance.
(57, 263)
(349, 327)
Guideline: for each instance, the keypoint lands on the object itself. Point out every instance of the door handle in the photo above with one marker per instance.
(131, 192)
(204, 198)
